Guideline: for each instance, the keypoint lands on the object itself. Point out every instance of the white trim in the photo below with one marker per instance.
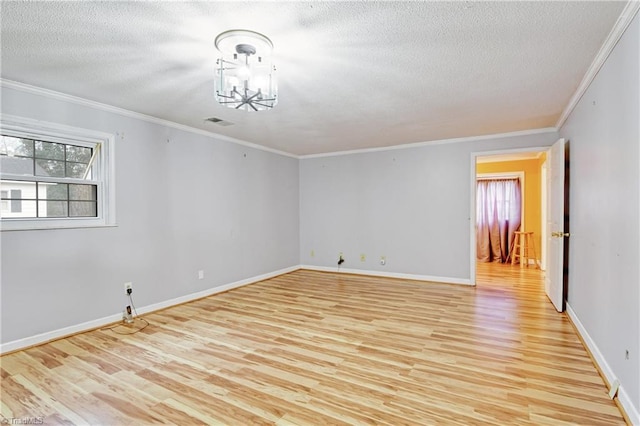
(544, 221)
(628, 407)
(435, 142)
(504, 158)
(89, 325)
(508, 151)
(610, 377)
(624, 20)
(472, 218)
(214, 290)
(414, 277)
(93, 324)
(132, 114)
(591, 345)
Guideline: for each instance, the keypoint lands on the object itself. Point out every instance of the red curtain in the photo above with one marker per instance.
(498, 212)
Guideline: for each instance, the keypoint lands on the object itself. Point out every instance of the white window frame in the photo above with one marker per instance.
(104, 169)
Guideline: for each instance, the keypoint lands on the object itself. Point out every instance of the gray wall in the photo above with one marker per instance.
(185, 202)
(411, 205)
(604, 276)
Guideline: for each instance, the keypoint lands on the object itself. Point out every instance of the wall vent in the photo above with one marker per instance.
(218, 121)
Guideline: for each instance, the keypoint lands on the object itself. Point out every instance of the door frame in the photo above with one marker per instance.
(544, 197)
(472, 203)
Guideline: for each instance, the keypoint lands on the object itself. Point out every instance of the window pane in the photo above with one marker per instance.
(50, 168)
(16, 146)
(83, 192)
(53, 191)
(79, 154)
(16, 202)
(76, 170)
(16, 165)
(49, 150)
(83, 209)
(27, 190)
(27, 209)
(48, 208)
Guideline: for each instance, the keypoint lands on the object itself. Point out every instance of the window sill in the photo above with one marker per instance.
(41, 225)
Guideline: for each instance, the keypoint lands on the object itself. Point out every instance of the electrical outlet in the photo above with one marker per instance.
(383, 260)
(200, 274)
(340, 259)
(363, 257)
(128, 288)
(127, 317)
(313, 253)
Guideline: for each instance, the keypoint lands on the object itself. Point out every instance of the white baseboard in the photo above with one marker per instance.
(627, 405)
(623, 397)
(446, 280)
(100, 322)
(57, 334)
(214, 290)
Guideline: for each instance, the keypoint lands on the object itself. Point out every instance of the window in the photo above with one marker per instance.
(54, 176)
(16, 201)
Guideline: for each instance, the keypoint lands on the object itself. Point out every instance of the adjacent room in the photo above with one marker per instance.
(320, 212)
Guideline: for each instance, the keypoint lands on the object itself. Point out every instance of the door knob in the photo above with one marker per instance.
(560, 234)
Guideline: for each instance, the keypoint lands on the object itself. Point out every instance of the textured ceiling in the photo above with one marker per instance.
(351, 75)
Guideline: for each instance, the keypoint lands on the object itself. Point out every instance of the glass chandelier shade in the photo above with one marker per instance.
(245, 74)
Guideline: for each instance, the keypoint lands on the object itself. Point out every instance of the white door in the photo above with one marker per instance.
(553, 281)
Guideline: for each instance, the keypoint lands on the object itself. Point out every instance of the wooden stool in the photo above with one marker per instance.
(523, 244)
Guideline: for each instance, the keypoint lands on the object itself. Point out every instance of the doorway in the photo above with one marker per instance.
(499, 211)
(527, 164)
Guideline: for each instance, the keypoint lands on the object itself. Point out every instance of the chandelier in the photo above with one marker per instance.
(245, 74)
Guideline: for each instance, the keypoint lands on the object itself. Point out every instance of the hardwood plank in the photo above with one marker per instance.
(325, 348)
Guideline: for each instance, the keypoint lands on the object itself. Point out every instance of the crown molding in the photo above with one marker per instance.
(435, 142)
(132, 114)
(624, 20)
(27, 88)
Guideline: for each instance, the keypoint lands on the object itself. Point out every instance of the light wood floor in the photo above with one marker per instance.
(322, 348)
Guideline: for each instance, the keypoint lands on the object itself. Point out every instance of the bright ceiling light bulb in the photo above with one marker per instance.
(233, 81)
(244, 73)
(260, 82)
